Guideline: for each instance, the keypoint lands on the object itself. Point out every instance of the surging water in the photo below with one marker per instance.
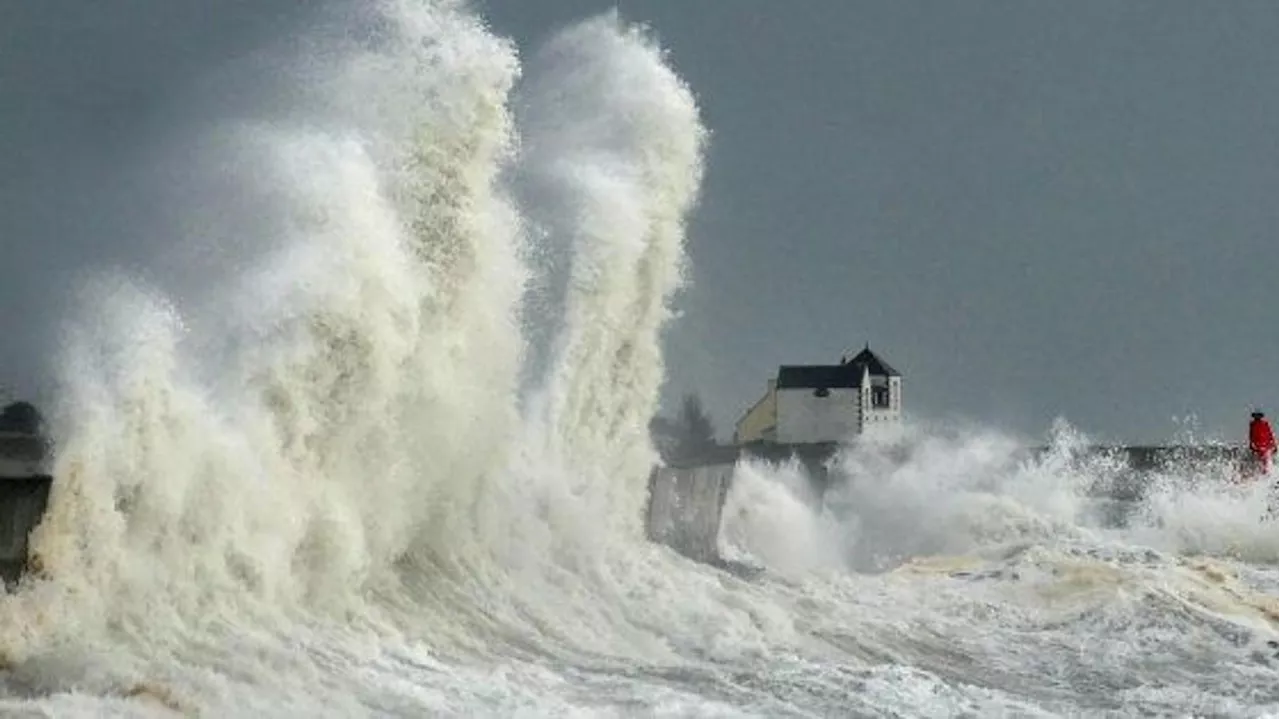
(339, 424)
(330, 484)
(362, 386)
(990, 566)
(614, 147)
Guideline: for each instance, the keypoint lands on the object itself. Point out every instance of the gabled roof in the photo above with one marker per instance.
(846, 374)
(878, 367)
(819, 376)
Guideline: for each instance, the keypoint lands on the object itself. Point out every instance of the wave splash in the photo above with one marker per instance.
(898, 494)
(336, 427)
(361, 465)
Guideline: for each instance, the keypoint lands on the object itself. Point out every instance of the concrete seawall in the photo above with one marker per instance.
(685, 506)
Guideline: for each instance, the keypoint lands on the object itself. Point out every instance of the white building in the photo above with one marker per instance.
(824, 403)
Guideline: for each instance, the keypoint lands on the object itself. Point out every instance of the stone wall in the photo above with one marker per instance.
(684, 508)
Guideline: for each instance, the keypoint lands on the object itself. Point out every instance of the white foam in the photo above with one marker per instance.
(311, 489)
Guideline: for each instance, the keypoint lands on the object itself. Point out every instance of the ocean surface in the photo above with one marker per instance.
(378, 448)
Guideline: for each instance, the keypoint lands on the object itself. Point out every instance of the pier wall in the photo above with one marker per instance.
(685, 504)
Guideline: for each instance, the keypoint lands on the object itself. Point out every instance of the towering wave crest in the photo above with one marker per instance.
(614, 150)
(610, 164)
(341, 418)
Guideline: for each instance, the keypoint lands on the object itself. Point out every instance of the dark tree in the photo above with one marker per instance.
(664, 434)
(697, 432)
(21, 417)
(689, 435)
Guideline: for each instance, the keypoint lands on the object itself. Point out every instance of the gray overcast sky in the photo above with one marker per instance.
(1031, 209)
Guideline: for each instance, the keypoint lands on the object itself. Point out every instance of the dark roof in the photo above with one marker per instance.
(817, 376)
(870, 360)
(846, 374)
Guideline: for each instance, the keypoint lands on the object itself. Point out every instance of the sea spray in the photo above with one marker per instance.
(363, 391)
(315, 493)
(898, 494)
(340, 422)
(614, 149)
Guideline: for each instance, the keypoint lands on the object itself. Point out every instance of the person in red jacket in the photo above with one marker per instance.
(1262, 442)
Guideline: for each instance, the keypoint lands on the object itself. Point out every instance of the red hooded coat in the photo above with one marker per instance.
(1261, 441)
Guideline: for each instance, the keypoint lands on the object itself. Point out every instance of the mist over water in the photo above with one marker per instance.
(372, 440)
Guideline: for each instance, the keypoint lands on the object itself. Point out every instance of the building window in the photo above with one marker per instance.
(879, 397)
